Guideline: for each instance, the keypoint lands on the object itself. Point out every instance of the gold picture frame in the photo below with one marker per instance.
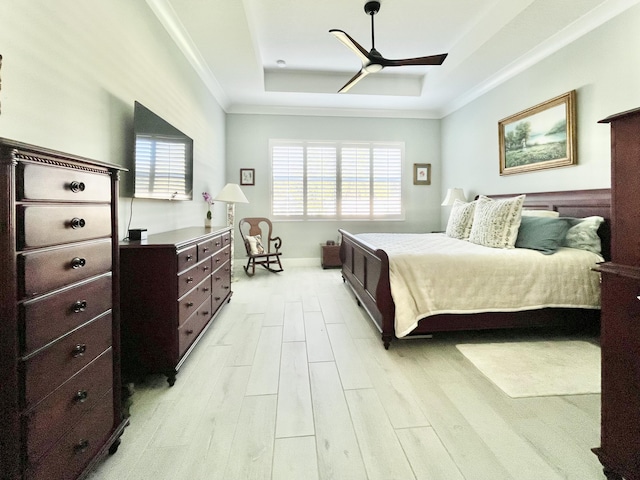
(540, 137)
(422, 174)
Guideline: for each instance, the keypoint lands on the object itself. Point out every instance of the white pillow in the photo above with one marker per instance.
(583, 234)
(255, 244)
(496, 222)
(460, 220)
(540, 213)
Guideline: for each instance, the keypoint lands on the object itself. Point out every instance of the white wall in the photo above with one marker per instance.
(601, 66)
(248, 147)
(71, 72)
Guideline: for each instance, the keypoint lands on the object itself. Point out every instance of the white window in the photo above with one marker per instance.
(355, 180)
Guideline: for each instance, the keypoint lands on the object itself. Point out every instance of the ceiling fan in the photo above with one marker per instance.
(373, 61)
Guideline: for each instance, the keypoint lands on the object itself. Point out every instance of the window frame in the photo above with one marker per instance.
(339, 146)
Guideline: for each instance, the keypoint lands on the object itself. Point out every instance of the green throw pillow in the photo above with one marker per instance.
(542, 233)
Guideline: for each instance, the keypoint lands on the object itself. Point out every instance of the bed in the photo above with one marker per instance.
(366, 269)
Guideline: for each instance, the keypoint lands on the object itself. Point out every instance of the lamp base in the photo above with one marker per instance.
(231, 213)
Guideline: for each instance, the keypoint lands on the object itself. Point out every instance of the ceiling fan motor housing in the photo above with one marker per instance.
(372, 8)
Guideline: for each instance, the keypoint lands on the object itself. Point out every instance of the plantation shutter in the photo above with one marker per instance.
(387, 181)
(322, 193)
(356, 181)
(287, 166)
(312, 179)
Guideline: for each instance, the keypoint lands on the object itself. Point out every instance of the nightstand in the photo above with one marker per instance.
(330, 256)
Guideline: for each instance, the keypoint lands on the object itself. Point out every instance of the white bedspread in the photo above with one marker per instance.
(432, 274)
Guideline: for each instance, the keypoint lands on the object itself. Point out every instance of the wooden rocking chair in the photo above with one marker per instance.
(258, 245)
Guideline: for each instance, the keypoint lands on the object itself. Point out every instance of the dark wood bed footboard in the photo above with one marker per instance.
(366, 270)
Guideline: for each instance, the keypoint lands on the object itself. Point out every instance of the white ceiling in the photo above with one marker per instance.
(234, 46)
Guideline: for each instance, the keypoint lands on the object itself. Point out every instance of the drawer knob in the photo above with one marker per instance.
(205, 249)
(205, 313)
(79, 350)
(217, 260)
(81, 446)
(80, 306)
(189, 279)
(217, 298)
(82, 396)
(189, 304)
(189, 257)
(226, 287)
(205, 289)
(205, 268)
(189, 332)
(78, 262)
(217, 244)
(77, 187)
(218, 279)
(77, 223)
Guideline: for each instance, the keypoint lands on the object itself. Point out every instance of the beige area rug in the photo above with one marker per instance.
(536, 369)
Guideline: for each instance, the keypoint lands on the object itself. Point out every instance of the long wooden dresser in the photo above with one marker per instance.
(173, 284)
(59, 330)
(619, 450)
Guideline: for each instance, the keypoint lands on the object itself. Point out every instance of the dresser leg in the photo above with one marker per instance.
(171, 378)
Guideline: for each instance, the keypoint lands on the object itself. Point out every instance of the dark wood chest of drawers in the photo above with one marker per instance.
(619, 449)
(59, 334)
(173, 284)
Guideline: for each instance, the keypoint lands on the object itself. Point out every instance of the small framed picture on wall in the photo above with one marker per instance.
(422, 174)
(247, 176)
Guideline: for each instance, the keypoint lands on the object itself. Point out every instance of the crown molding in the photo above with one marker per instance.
(172, 24)
(585, 24)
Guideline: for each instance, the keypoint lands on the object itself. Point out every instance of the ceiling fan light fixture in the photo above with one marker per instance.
(281, 63)
(373, 67)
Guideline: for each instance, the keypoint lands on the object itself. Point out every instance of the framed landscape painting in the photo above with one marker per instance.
(540, 137)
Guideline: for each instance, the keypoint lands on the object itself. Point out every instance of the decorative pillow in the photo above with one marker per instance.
(255, 244)
(540, 213)
(460, 219)
(583, 234)
(496, 222)
(542, 233)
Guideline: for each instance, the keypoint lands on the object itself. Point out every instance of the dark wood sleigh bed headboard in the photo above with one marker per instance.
(575, 203)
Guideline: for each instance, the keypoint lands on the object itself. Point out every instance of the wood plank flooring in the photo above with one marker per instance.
(292, 382)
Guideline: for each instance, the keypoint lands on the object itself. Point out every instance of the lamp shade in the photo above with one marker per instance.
(231, 193)
(453, 194)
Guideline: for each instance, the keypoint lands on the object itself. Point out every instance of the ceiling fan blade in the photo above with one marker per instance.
(430, 60)
(355, 79)
(352, 44)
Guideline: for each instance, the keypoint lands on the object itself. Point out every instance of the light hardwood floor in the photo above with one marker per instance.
(292, 382)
